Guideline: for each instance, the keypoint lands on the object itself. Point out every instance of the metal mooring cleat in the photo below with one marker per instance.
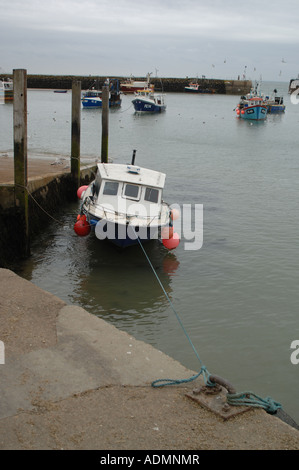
(213, 398)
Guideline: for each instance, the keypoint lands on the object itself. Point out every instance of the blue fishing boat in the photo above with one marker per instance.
(275, 104)
(146, 101)
(92, 98)
(252, 108)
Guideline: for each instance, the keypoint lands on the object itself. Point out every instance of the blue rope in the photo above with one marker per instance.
(203, 370)
(251, 399)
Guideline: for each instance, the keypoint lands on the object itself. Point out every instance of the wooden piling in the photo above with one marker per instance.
(105, 122)
(76, 121)
(20, 157)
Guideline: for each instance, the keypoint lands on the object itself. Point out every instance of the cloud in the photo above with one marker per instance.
(134, 36)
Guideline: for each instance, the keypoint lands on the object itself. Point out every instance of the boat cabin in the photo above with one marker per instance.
(129, 189)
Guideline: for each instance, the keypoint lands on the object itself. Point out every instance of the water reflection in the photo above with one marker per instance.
(118, 285)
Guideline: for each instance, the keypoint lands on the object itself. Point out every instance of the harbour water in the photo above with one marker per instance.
(237, 296)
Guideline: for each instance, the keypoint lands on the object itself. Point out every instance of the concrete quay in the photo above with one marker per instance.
(50, 186)
(72, 381)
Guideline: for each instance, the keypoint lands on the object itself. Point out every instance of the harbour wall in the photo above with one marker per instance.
(175, 85)
(47, 195)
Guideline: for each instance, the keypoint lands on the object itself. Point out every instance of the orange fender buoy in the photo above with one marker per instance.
(81, 190)
(171, 243)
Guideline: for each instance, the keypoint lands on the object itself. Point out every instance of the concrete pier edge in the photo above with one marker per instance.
(59, 355)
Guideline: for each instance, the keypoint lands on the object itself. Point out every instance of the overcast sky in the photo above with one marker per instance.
(170, 38)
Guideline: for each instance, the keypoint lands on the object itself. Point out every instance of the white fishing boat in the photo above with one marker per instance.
(6, 89)
(124, 205)
(146, 101)
(131, 85)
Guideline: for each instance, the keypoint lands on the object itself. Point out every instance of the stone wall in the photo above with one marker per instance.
(50, 194)
(176, 85)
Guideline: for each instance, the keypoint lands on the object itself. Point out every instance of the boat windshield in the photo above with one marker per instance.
(131, 191)
(151, 195)
(110, 188)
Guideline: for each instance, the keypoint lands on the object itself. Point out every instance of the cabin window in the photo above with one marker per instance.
(151, 195)
(110, 188)
(131, 191)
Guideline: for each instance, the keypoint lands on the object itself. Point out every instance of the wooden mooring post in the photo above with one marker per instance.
(76, 122)
(105, 123)
(20, 157)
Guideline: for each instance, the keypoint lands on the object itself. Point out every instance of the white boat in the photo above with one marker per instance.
(195, 87)
(132, 86)
(146, 101)
(124, 205)
(6, 90)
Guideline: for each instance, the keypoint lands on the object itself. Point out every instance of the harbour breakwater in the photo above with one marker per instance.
(174, 85)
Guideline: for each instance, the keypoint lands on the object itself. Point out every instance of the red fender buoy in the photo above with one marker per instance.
(82, 226)
(171, 243)
(81, 190)
(167, 232)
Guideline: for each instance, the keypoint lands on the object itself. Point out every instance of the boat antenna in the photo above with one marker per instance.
(133, 157)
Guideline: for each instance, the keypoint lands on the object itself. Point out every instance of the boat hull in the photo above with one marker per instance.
(133, 88)
(276, 109)
(122, 235)
(97, 103)
(198, 90)
(256, 113)
(147, 107)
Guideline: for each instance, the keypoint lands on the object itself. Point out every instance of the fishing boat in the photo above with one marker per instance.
(275, 103)
(252, 108)
(92, 98)
(6, 90)
(131, 85)
(124, 205)
(146, 101)
(195, 87)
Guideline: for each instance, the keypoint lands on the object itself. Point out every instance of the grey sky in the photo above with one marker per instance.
(170, 38)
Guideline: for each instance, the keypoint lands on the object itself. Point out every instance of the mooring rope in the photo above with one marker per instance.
(37, 203)
(235, 399)
(203, 370)
(253, 400)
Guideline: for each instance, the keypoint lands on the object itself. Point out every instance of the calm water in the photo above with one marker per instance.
(237, 296)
